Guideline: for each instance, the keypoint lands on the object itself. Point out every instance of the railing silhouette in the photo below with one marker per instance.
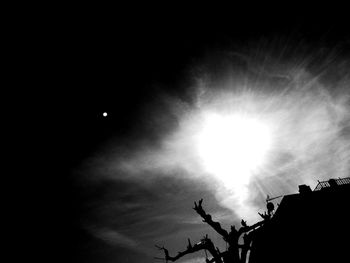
(332, 182)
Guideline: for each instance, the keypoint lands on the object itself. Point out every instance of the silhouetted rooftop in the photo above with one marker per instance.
(332, 182)
(311, 226)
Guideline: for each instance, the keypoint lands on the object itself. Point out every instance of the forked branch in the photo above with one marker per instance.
(204, 244)
(208, 219)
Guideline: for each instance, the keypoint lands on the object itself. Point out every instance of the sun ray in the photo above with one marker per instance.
(232, 147)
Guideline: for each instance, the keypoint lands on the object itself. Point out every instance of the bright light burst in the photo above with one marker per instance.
(248, 135)
(232, 147)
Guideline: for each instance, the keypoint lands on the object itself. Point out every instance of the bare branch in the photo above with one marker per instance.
(247, 238)
(205, 243)
(208, 219)
(265, 216)
(189, 246)
(235, 252)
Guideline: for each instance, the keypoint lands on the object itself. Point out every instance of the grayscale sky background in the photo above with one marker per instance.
(127, 181)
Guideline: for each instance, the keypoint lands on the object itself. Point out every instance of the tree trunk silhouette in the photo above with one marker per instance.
(204, 244)
(235, 253)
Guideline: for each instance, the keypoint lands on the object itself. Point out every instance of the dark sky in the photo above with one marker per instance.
(133, 65)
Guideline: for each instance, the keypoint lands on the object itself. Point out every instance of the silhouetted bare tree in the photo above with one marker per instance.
(235, 253)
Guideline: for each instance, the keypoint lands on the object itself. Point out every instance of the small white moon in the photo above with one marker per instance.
(105, 114)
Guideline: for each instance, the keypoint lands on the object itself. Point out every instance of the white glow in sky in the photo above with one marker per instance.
(232, 147)
(246, 138)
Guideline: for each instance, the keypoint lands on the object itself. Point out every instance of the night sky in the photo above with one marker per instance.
(117, 185)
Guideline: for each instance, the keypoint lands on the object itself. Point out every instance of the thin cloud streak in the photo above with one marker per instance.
(113, 237)
(309, 119)
(151, 183)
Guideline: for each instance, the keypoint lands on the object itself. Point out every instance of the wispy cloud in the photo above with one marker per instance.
(149, 185)
(113, 237)
(194, 260)
(308, 117)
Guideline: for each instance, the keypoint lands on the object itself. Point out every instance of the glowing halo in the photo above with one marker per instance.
(232, 147)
